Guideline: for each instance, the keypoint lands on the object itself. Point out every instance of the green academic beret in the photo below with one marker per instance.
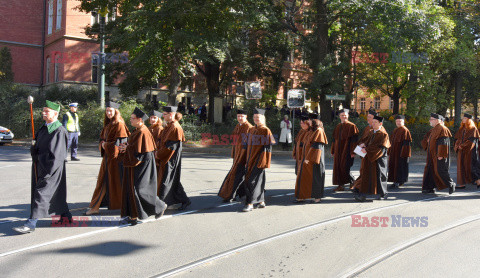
(53, 105)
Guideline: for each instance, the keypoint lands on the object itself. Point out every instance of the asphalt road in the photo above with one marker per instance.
(212, 239)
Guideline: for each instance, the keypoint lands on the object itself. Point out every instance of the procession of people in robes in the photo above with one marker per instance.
(140, 172)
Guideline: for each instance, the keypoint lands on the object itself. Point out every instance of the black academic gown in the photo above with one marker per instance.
(140, 177)
(169, 155)
(49, 182)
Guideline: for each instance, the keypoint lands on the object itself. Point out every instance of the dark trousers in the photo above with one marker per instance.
(73, 143)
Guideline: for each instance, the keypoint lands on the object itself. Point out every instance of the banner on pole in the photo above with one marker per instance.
(296, 98)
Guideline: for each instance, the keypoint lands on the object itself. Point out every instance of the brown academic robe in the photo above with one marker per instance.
(466, 146)
(169, 158)
(108, 191)
(139, 182)
(156, 129)
(366, 132)
(311, 178)
(298, 148)
(373, 170)
(437, 144)
(235, 178)
(344, 142)
(259, 154)
(398, 155)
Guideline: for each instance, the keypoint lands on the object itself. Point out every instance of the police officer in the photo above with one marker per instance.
(71, 122)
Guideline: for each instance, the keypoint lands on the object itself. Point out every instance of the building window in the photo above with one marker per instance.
(50, 16)
(288, 86)
(95, 59)
(362, 104)
(59, 14)
(376, 104)
(47, 71)
(55, 69)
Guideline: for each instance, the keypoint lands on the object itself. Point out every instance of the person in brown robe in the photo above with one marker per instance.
(139, 181)
(169, 157)
(233, 184)
(259, 154)
(437, 145)
(373, 170)
(399, 153)
(466, 147)
(108, 191)
(156, 126)
(298, 145)
(345, 138)
(311, 178)
(366, 130)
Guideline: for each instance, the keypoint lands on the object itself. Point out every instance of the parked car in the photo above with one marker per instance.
(6, 135)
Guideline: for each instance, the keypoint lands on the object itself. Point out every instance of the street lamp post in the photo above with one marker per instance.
(101, 60)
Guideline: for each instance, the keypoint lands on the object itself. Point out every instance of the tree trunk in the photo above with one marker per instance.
(212, 76)
(320, 52)
(175, 81)
(458, 97)
(396, 101)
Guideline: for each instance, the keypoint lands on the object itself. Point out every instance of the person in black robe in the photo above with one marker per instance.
(373, 170)
(259, 155)
(139, 183)
(233, 185)
(49, 182)
(169, 158)
(437, 144)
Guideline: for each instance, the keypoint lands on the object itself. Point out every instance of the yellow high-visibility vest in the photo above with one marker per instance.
(72, 125)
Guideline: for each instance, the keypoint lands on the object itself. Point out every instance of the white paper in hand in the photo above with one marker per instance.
(358, 151)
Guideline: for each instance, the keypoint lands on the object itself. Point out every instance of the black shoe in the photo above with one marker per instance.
(185, 205)
(460, 187)
(384, 196)
(66, 160)
(393, 186)
(428, 191)
(228, 200)
(24, 230)
(298, 201)
(74, 159)
(65, 220)
(132, 222)
(451, 189)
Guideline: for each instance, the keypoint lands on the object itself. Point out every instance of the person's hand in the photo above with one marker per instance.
(352, 156)
(440, 158)
(362, 145)
(103, 144)
(122, 147)
(364, 151)
(306, 161)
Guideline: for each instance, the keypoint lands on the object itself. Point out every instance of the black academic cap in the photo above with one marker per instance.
(259, 111)
(314, 116)
(112, 104)
(155, 113)
(346, 111)
(372, 112)
(170, 109)
(399, 117)
(466, 115)
(140, 114)
(378, 118)
(241, 112)
(304, 118)
(437, 116)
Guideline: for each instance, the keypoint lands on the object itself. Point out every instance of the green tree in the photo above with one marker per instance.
(6, 72)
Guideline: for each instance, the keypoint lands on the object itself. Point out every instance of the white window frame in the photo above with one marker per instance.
(50, 17)
(55, 70)
(377, 102)
(363, 104)
(47, 71)
(59, 14)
